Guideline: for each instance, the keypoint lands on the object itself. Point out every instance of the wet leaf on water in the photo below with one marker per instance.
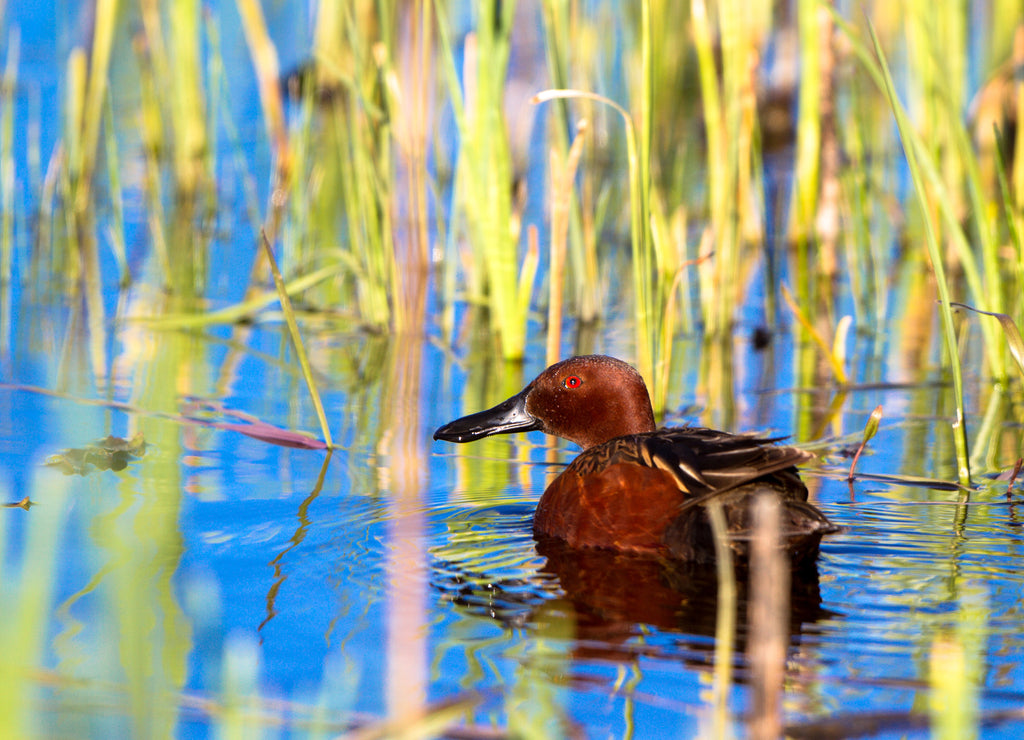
(109, 453)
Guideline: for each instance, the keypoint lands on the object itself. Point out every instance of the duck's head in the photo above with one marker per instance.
(587, 400)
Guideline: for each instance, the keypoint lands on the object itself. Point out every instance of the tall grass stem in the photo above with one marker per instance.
(938, 267)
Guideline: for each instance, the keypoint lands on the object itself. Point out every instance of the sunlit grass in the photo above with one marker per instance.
(499, 277)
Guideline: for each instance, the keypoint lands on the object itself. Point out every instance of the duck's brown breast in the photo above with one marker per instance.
(622, 506)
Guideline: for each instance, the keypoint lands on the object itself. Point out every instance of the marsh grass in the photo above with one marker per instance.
(499, 277)
(914, 158)
(173, 37)
(588, 208)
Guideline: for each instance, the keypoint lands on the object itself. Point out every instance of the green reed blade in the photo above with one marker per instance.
(296, 337)
(105, 16)
(186, 93)
(921, 188)
(939, 198)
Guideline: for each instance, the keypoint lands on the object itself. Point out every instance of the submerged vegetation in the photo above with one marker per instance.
(684, 164)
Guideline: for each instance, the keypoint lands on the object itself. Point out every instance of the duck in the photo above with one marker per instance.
(639, 489)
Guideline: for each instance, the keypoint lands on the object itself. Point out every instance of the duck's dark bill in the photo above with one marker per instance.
(507, 417)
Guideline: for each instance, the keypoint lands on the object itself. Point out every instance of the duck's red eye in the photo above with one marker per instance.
(573, 381)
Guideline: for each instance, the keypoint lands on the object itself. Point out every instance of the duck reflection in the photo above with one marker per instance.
(616, 597)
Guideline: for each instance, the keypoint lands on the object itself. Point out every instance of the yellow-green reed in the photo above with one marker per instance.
(982, 264)
(1017, 171)
(646, 308)
(677, 165)
(975, 230)
(1014, 341)
(808, 131)
(87, 114)
(187, 92)
(498, 276)
(154, 132)
(66, 262)
(360, 124)
(730, 125)
(365, 203)
(567, 58)
(353, 164)
(1014, 223)
(296, 338)
(867, 231)
(640, 237)
(86, 104)
(656, 266)
(173, 57)
(914, 163)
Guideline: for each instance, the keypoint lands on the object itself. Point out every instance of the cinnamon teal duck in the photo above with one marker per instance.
(638, 488)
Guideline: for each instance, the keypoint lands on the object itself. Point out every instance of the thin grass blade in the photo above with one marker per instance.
(911, 150)
(296, 337)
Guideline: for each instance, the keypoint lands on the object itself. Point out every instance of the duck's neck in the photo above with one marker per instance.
(627, 414)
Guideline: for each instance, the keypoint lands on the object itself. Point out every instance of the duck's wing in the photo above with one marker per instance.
(701, 461)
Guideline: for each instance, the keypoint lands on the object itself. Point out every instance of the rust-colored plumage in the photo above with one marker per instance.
(635, 488)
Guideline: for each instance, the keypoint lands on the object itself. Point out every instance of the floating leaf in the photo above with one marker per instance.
(109, 453)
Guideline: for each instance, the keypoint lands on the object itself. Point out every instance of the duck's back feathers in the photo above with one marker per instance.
(649, 492)
(701, 461)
